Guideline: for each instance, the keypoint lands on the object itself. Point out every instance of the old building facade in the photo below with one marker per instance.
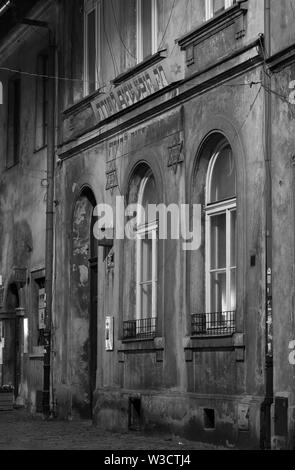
(23, 150)
(174, 102)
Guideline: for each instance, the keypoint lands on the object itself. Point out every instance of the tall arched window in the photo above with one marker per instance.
(146, 251)
(221, 246)
(141, 257)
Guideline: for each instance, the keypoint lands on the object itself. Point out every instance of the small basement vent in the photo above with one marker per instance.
(209, 418)
(134, 413)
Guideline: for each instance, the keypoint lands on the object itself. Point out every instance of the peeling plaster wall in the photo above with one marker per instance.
(282, 24)
(80, 301)
(283, 203)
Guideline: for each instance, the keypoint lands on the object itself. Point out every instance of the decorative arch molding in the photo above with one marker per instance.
(82, 188)
(135, 165)
(220, 124)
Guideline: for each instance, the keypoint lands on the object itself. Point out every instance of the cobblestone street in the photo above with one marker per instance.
(20, 432)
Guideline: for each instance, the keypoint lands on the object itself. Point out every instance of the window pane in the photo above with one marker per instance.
(233, 289)
(149, 197)
(146, 21)
(146, 300)
(218, 292)
(218, 5)
(233, 255)
(146, 268)
(218, 241)
(223, 182)
(91, 50)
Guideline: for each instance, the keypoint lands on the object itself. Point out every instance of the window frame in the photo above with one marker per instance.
(210, 6)
(227, 207)
(139, 32)
(89, 6)
(143, 230)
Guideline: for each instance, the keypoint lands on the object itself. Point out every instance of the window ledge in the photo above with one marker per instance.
(82, 103)
(39, 149)
(146, 63)
(34, 357)
(156, 343)
(212, 26)
(233, 342)
(10, 167)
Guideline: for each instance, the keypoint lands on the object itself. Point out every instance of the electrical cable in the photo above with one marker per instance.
(108, 43)
(119, 33)
(36, 75)
(168, 23)
(180, 29)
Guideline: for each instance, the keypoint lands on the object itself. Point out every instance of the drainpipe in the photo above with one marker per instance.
(49, 249)
(268, 401)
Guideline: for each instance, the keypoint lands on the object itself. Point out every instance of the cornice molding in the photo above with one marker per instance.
(282, 58)
(183, 95)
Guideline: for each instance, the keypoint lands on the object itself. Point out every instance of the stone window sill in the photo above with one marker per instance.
(234, 342)
(34, 357)
(155, 345)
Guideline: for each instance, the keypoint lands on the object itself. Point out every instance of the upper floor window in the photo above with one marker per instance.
(213, 7)
(147, 28)
(92, 15)
(41, 101)
(221, 246)
(13, 134)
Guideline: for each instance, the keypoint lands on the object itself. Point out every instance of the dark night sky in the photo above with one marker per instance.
(14, 14)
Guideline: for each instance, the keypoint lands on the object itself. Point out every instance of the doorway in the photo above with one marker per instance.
(10, 373)
(84, 306)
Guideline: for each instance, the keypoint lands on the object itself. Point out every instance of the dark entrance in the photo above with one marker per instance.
(84, 306)
(9, 337)
(93, 314)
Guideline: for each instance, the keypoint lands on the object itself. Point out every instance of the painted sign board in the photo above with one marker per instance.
(136, 89)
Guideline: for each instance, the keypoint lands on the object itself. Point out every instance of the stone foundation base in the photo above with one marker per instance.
(232, 421)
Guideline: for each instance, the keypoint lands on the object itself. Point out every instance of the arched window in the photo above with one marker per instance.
(146, 255)
(221, 246)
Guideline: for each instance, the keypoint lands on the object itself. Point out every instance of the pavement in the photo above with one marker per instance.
(19, 431)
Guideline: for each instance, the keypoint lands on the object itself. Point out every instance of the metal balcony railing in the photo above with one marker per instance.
(213, 324)
(145, 328)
